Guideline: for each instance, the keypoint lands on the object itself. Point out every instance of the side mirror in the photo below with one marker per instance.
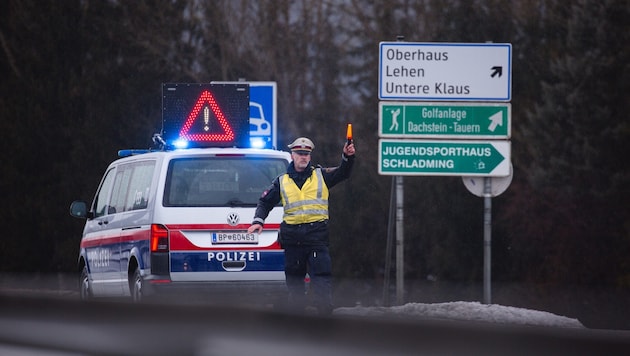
(78, 209)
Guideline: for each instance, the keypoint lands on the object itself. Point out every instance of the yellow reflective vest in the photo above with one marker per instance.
(306, 205)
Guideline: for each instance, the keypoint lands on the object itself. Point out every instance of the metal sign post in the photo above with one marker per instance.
(487, 240)
(400, 243)
(388, 247)
(487, 188)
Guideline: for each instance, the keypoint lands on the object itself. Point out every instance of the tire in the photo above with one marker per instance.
(135, 287)
(85, 292)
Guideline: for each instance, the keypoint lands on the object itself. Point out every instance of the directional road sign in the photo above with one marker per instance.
(444, 158)
(440, 120)
(445, 71)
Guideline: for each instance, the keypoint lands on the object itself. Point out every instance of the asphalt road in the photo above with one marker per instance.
(45, 325)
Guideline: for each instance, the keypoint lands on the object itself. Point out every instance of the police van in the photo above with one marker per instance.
(176, 217)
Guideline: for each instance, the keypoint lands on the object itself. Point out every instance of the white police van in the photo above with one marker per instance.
(169, 218)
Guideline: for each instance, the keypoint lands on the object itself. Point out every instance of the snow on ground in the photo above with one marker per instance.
(472, 311)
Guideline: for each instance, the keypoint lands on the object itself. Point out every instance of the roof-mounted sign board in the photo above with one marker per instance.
(445, 71)
(205, 115)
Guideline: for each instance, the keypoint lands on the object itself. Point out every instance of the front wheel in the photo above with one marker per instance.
(136, 286)
(85, 292)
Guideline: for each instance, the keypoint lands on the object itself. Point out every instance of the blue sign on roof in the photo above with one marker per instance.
(262, 113)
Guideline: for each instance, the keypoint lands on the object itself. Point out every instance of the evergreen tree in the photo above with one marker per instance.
(574, 136)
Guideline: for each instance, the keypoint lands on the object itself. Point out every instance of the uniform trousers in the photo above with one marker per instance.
(306, 251)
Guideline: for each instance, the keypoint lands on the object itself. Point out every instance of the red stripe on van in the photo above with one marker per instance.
(178, 242)
(216, 227)
(109, 239)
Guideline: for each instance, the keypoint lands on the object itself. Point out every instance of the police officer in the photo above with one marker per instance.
(303, 191)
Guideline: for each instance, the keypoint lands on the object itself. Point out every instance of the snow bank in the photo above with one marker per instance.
(473, 311)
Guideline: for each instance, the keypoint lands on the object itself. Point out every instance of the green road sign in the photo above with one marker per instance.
(440, 120)
(444, 158)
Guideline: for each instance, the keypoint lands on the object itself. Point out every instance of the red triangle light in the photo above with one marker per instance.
(226, 136)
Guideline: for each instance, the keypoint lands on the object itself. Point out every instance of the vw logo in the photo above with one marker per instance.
(233, 219)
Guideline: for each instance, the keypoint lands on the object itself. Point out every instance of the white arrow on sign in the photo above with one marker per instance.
(495, 120)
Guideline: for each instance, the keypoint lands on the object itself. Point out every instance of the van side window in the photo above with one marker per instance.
(132, 186)
(119, 192)
(140, 185)
(100, 206)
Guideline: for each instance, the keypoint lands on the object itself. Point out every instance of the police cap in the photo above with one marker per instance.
(302, 145)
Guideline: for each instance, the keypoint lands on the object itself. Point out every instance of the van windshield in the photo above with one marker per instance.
(219, 181)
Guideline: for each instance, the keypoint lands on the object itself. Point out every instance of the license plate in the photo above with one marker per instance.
(234, 238)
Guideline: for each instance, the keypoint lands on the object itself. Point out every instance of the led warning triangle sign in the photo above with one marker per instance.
(198, 115)
(206, 103)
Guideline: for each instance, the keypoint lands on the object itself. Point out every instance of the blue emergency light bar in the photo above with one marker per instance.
(132, 152)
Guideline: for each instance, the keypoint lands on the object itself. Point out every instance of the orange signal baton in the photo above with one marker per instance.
(349, 133)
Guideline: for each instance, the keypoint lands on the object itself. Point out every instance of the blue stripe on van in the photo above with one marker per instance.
(214, 261)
